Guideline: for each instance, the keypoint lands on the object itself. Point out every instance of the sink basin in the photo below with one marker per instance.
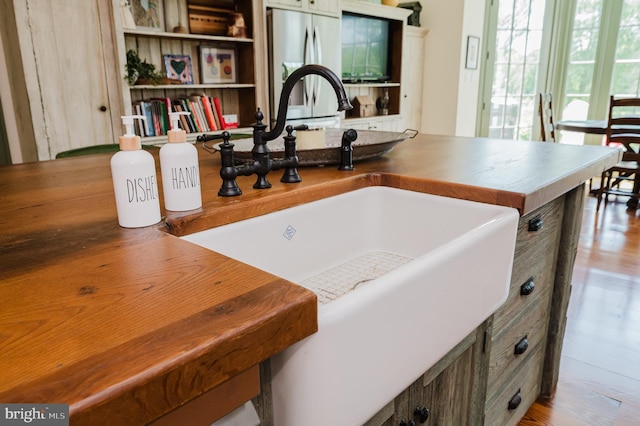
(401, 278)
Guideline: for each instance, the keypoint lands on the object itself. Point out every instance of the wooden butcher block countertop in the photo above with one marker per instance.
(127, 324)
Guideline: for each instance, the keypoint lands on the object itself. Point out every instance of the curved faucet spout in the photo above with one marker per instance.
(290, 82)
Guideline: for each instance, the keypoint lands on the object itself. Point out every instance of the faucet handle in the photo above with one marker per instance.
(225, 136)
(228, 171)
(346, 150)
(259, 116)
(290, 160)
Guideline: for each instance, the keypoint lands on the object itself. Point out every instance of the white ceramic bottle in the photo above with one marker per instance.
(134, 180)
(180, 170)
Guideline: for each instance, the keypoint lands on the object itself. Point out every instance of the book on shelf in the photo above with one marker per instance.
(164, 107)
(146, 107)
(156, 113)
(218, 107)
(196, 102)
(189, 125)
(208, 111)
(184, 119)
(196, 115)
(186, 105)
(140, 124)
(205, 115)
(216, 117)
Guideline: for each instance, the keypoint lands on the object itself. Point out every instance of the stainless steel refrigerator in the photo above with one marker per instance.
(296, 39)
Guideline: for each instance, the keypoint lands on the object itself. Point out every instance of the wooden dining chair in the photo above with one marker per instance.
(623, 130)
(545, 110)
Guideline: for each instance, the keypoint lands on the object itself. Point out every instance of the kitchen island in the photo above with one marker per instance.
(126, 325)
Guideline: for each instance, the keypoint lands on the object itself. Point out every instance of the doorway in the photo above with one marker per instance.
(580, 50)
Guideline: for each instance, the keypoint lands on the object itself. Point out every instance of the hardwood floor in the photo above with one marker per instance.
(599, 381)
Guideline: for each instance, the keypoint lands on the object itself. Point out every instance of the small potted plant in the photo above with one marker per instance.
(140, 71)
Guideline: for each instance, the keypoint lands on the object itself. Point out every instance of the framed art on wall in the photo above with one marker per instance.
(178, 67)
(217, 65)
(473, 48)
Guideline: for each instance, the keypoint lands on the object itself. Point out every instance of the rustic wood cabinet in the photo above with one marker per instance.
(64, 86)
(519, 330)
(446, 393)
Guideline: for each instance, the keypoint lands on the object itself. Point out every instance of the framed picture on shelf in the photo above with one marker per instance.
(217, 65)
(148, 14)
(178, 67)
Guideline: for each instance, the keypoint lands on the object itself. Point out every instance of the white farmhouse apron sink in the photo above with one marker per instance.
(401, 278)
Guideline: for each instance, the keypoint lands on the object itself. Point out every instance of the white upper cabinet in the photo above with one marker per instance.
(328, 7)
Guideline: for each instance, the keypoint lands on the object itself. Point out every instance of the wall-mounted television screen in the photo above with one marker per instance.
(365, 49)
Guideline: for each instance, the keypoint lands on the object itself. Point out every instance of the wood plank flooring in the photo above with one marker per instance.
(599, 381)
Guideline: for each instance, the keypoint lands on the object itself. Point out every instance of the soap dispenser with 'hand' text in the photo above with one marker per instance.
(180, 169)
(134, 180)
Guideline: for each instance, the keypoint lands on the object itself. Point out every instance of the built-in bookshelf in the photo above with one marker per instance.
(238, 96)
(374, 90)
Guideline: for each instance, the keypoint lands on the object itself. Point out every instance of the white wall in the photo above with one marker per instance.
(469, 82)
(450, 92)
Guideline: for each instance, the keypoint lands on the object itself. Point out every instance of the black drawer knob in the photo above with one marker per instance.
(422, 414)
(535, 224)
(528, 287)
(407, 423)
(515, 401)
(521, 346)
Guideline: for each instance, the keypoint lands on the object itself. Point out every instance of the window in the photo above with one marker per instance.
(604, 60)
(626, 66)
(582, 59)
(588, 51)
(518, 39)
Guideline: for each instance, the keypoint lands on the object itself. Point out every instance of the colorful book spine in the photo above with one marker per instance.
(194, 112)
(208, 111)
(218, 106)
(146, 106)
(184, 122)
(197, 103)
(192, 118)
(205, 114)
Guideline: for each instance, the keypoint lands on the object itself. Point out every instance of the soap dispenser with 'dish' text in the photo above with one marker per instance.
(134, 180)
(180, 169)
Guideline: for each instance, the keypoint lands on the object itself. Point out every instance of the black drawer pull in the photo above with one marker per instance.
(521, 346)
(535, 224)
(515, 401)
(407, 423)
(421, 413)
(528, 287)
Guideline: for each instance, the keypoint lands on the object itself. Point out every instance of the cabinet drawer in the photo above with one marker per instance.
(511, 345)
(523, 384)
(535, 256)
(538, 224)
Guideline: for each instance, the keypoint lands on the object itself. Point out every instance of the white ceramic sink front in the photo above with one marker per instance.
(427, 270)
